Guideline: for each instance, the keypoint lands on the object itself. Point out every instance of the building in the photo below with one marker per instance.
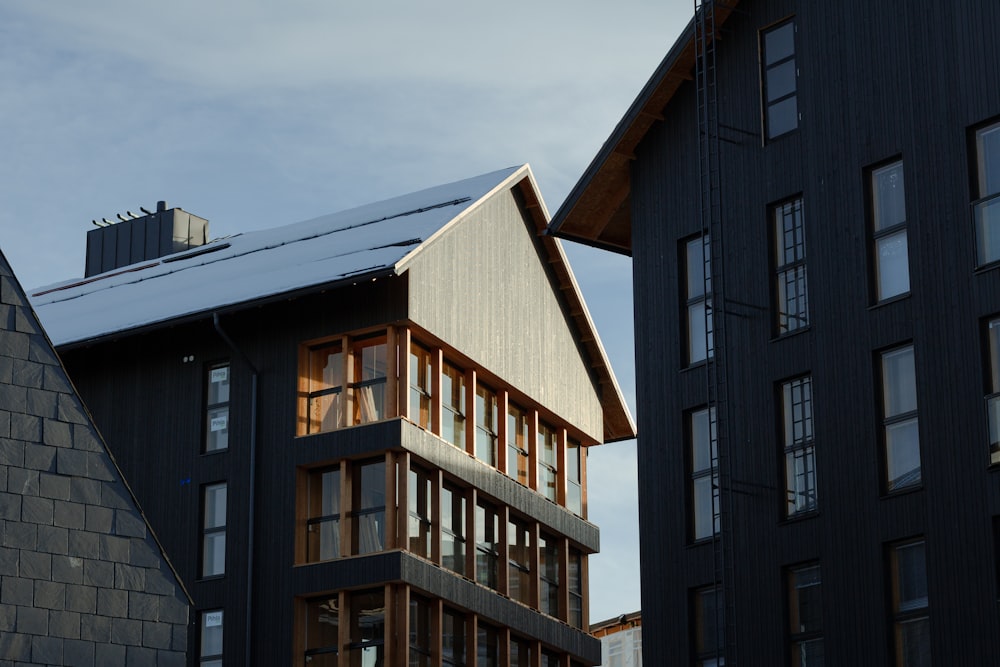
(621, 640)
(809, 193)
(83, 580)
(362, 437)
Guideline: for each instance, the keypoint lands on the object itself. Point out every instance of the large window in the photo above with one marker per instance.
(369, 380)
(453, 405)
(421, 389)
(487, 646)
(800, 456)
(486, 425)
(517, 443)
(986, 207)
(791, 291)
(779, 80)
(323, 521)
(702, 443)
(900, 433)
(519, 563)
(487, 544)
(453, 529)
(575, 588)
(520, 652)
(548, 462)
(888, 224)
(325, 390)
(420, 491)
(708, 628)
(453, 638)
(325, 396)
(420, 632)
(367, 628)
(217, 408)
(911, 627)
(698, 291)
(368, 507)
(548, 575)
(993, 388)
(805, 616)
(574, 477)
(213, 559)
(322, 632)
(211, 639)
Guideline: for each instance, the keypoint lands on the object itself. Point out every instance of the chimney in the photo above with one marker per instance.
(141, 239)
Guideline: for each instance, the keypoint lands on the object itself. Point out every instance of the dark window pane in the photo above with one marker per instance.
(779, 43)
(781, 80)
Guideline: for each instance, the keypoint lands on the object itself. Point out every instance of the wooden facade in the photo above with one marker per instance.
(286, 561)
(875, 84)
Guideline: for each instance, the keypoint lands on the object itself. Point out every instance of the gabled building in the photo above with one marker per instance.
(83, 580)
(362, 437)
(809, 193)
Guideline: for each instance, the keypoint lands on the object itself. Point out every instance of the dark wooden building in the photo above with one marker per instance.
(810, 192)
(363, 437)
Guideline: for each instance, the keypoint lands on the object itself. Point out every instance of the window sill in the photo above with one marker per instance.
(791, 334)
(905, 491)
(891, 300)
(799, 517)
(985, 268)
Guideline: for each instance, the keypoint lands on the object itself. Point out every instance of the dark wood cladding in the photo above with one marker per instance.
(877, 81)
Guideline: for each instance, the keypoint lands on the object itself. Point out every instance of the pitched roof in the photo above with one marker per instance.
(341, 248)
(597, 210)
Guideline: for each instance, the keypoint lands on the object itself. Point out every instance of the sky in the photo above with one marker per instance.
(256, 114)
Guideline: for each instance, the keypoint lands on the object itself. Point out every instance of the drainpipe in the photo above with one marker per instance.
(253, 478)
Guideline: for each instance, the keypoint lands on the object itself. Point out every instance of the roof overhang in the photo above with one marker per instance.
(597, 211)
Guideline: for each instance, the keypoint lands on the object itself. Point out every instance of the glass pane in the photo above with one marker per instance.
(913, 643)
(323, 540)
(988, 148)
(520, 653)
(781, 80)
(911, 577)
(708, 630)
(702, 440)
(325, 413)
(488, 646)
(800, 475)
(789, 233)
(453, 530)
(420, 631)
(806, 600)
(215, 506)
(892, 265)
(993, 334)
(888, 196)
(698, 260)
(322, 625)
(217, 429)
(987, 220)
(797, 396)
(793, 299)
(218, 385)
(214, 554)
(698, 342)
(327, 366)
(993, 412)
(453, 404)
(703, 516)
(211, 633)
(420, 386)
(779, 43)
(808, 653)
(782, 117)
(899, 382)
(902, 454)
(453, 638)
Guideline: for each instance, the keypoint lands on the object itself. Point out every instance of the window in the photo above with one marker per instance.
(213, 560)
(800, 457)
(575, 588)
(709, 628)
(211, 638)
(519, 563)
(368, 507)
(323, 522)
(322, 632)
(993, 388)
(421, 374)
(703, 446)
(550, 659)
(367, 628)
(805, 616)
(548, 574)
(452, 638)
(487, 544)
(517, 444)
(217, 408)
(574, 477)
(453, 406)
(453, 529)
(520, 652)
(370, 379)
(911, 626)
(986, 207)
(325, 390)
(791, 289)
(420, 632)
(486, 425)
(779, 80)
(996, 551)
(697, 260)
(487, 646)
(419, 489)
(888, 213)
(900, 434)
(548, 466)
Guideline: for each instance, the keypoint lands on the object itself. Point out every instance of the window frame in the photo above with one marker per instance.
(549, 575)
(576, 455)
(356, 641)
(316, 489)
(216, 424)
(206, 659)
(894, 421)
(487, 427)
(704, 619)
(211, 531)
(915, 611)
(797, 448)
(991, 372)
(420, 511)
(362, 509)
(421, 394)
(319, 387)
(453, 528)
(698, 475)
(766, 67)
(547, 451)
(790, 294)
(697, 297)
(519, 565)
(454, 410)
(800, 636)
(518, 443)
(456, 654)
(488, 550)
(879, 234)
(985, 199)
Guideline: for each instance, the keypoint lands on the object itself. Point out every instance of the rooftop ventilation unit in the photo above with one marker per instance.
(154, 235)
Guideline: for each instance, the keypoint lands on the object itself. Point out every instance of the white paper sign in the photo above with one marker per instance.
(219, 375)
(219, 423)
(213, 619)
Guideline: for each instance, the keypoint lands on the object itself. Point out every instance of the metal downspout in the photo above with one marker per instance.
(253, 480)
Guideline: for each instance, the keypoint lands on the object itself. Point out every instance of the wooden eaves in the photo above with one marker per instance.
(597, 210)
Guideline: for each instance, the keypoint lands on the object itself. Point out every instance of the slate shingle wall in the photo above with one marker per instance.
(82, 580)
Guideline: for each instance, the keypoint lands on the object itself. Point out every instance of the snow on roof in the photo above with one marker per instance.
(371, 239)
